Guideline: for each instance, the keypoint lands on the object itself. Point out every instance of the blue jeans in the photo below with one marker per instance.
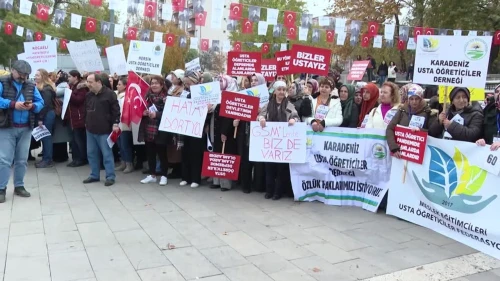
(382, 79)
(14, 150)
(97, 146)
(125, 142)
(48, 148)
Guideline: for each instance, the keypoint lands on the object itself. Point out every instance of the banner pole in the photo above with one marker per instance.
(405, 170)
(235, 132)
(445, 101)
(223, 146)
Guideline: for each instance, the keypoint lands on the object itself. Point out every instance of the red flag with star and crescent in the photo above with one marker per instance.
(330, 36)
(365, 40)
(247, 26)
(200, 19)
(9, 27)
(236, 10)
(289, 18)
(265, 48)
(38, 36)
(64, 44)
(134, 104)
(131, 33)
(428, 31)
(204, 45)
(401, 45)
(178, 5)
(97, 3)
(42, 12)
(417, 31)
(373, 28)
(291, 33)
(150, 9)
(496, 38)
(237, 46)
(170, 39)
(90, 25)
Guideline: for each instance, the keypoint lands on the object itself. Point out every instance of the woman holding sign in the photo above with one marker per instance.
(416, 114)
(382, 115)
(47, 115)
(327, 112)
(462, 121)
(279, 109)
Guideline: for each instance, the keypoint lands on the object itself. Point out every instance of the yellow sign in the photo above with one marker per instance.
(476, 94)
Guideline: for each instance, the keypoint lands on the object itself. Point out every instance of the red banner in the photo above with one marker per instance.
(411, 144)
(243, 63)
(268, 69)
(218, 165)
(358, 70)
(283, 60)
(238, 106)
(310, 60)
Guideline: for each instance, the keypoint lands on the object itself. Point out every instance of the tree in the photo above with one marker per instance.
(191, 55)
(213, 61)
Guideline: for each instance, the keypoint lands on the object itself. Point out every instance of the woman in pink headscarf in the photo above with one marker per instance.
(221, 130)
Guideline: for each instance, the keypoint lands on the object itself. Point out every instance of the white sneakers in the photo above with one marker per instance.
(163, 180)
(151, 179)
(193, 185)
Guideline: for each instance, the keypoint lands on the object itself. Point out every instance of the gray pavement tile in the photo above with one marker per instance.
(288, 249)
(55, 209)
(330, 253)
(70, 266)
(62, 237)
(59, 223)
(321, 270)
(245, 273)
(15, 269)
(33, 245)
(114, 274)
(217, 224)
(359, 269)
(244, 244)
(66, 247)
(336, 238)
(26, 228)
(191, 263)
(145, 255)
(108, 257)
(134, 236)
(223, 257)
(291, 275)
(96, 234)
(271, 263)
(160, 274)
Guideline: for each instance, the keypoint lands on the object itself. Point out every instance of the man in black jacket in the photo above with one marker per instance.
(102, 116)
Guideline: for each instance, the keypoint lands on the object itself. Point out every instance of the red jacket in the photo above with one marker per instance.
(76, 109)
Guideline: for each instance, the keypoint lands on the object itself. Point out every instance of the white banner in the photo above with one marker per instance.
(450, 194)
(193, 65)
(344, 167)
(260, 91)
(67, 97)
(457, 61)
(116, 60)
(41, 54)
(85, 55)
(208, 93)
(145, 57)
(182, 116)
(278, 142)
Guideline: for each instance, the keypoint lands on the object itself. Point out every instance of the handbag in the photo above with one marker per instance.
(57, 106)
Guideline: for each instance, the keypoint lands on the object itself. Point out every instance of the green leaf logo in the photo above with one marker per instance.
(471, 177)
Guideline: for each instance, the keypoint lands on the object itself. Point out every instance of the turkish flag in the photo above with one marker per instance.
(150, 9)
(200, 19)
(64, 44)
(42, 12)
(330, 36)
(170, 39)
(291, 33)
(496, 38)
(97, 3)
(289, 18)
(235, 11)
(204, 45)
(132, 33)
(365, 40)
(38, 36)
(237, 46)
(401, 45)
(428, 31)
(9, 27)
(373, 28)
(178, 5)
(134, 104)
(417, 31)
(265, 48)
(247, 26)
(90, 25)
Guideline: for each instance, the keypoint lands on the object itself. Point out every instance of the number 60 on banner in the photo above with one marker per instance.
(490, 162)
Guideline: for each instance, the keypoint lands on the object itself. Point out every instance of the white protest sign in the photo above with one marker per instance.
(116, 60)
(85, 55)
(208, 93)
(41, 54)
(67, 97)
(193, 65)
(260, 91)
(183, 117)
(40, 132)
(278, 142)
(145, 57)
(457, 61)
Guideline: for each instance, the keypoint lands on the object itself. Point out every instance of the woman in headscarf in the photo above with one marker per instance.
(245, 82)
(350, 111)
(192, 148)
(311, 88)
(462, 121)
(491, 112)
(415, 114)
(222, 131)
(149, 133)
(370, 94)
(382, 115)
(62, 129)
(295, 96)
(258, 181)
(47, 115)
(327, 111)
(277, 110)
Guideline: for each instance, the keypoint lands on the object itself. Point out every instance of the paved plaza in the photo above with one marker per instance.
(68, 231)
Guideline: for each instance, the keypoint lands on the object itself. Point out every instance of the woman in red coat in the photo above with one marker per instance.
(76, 116)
